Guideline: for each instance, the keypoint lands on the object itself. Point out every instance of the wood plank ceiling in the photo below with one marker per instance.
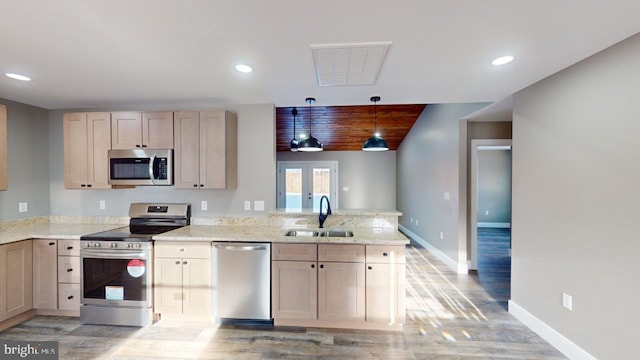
(345, 128)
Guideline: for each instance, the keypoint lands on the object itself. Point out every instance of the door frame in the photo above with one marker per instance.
(495, 144)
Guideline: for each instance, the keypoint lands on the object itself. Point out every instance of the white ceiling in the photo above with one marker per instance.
(98, 53)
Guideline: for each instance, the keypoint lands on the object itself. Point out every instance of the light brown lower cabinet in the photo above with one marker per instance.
(335, 285)
(182, 280)
(56, 276)
(16, 276)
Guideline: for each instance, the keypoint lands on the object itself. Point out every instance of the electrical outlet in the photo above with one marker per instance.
(441, 235)
(247, 205)
(567, 301)
(103, 204)
(486, 212)
(345, 188)
(417, 222)
(23, 207)
(447, 196)
(412, 220)
(204, 205)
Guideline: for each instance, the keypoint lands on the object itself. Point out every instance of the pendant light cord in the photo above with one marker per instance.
(310, 101)
(375, 100)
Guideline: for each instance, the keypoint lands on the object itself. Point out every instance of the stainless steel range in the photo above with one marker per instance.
(117, 266)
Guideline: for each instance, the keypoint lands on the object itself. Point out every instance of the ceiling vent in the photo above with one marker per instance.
(349, 64)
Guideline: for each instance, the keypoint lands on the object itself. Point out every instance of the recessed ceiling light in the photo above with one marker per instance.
(502, 60)
(18, 77)
(244, 68)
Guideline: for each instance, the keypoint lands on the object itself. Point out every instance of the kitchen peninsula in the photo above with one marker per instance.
(317, 281)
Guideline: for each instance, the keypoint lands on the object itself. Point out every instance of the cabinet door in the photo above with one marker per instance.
(126, 130)
(218, 134)
(196, 285)
(167, 286)
(75, 150)
(98, 145)
(69, 269)
(186, 131)
(294, 289)
(385, 293)
(157, 130)
(16, 274)
(45, 274)
(341, 291)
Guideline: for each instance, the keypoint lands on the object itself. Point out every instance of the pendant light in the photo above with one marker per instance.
(375, 143)
(310, 144)
(293, 145)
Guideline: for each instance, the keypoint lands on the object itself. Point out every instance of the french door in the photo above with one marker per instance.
(302, 184)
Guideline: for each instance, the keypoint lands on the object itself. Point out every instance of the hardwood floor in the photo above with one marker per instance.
(494, 263)
(449, 316)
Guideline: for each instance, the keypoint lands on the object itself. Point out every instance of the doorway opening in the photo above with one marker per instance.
(301, 184)
(490, 214)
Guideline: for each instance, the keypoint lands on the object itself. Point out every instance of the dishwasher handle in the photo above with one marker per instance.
(240, 247)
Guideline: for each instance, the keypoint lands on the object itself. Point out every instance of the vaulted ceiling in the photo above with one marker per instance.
(345, 128)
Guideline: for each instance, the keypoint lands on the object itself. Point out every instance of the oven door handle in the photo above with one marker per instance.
(152, 162)
(112, 254)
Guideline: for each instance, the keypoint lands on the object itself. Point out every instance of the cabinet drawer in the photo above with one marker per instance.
(385, 254)
(294, 252)
(183, 250)
(69, 296)
(69, 247)
(69, 269)
(341, 253)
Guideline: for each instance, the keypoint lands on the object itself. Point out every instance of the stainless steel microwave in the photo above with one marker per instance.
(141, 167)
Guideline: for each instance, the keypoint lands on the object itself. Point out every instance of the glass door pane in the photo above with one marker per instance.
(321, 185)
(293, 189)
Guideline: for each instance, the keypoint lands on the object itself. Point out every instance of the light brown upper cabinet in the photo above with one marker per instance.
(135, 130)
(86, 142)
(205, 154)
(3, 147)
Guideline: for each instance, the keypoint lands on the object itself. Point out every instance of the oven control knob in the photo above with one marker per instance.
(130, 245)
(89, 245)
(114, 245)
(138, 246)
(96, 244)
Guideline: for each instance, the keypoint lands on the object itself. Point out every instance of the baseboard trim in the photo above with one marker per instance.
(496, 225)
(557, 340)
(455, 266)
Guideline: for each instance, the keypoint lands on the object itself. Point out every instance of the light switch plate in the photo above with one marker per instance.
(567, 301)
(247, 205)
(204, 205)
(23, 207)
(258, 205)
(103, 205)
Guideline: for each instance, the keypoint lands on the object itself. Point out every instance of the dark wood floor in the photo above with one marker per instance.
(494, 263)
(449, 316)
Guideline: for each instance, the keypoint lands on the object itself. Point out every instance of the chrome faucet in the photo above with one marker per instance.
(322, 216)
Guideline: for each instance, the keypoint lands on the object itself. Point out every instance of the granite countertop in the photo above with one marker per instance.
(379, 236)
(52, 231)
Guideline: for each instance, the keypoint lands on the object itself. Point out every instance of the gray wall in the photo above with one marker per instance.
(428, 165)
(370, 176)
(256, 171)
(27, 161)
(576, 170)
(494, 186)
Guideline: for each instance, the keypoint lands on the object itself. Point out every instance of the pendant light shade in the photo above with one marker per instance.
(293, 145)
(310, 144)
(375, 143)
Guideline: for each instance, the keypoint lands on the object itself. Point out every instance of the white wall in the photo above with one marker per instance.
(428, 166)
(256, 171)
(370, 176)
(27, 162)
(576, 204)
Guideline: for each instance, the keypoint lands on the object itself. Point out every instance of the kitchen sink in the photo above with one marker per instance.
(337, 233)
(323, 233)
(301, 233)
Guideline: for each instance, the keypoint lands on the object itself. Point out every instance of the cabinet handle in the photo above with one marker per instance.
(69, 297)
(321, 266)
(385, 254)
(181, 249)
(313, 266)
(69, 270)
(88, 185)
(184, 262)
(195, 185)
(51, 243)
(137, 145)
(69, 247)
(144, 146)
(369, 267)
(201, 185)
(83, 185)
(178, 262)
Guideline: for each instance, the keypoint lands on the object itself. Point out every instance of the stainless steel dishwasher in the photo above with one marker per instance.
(241, 282)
